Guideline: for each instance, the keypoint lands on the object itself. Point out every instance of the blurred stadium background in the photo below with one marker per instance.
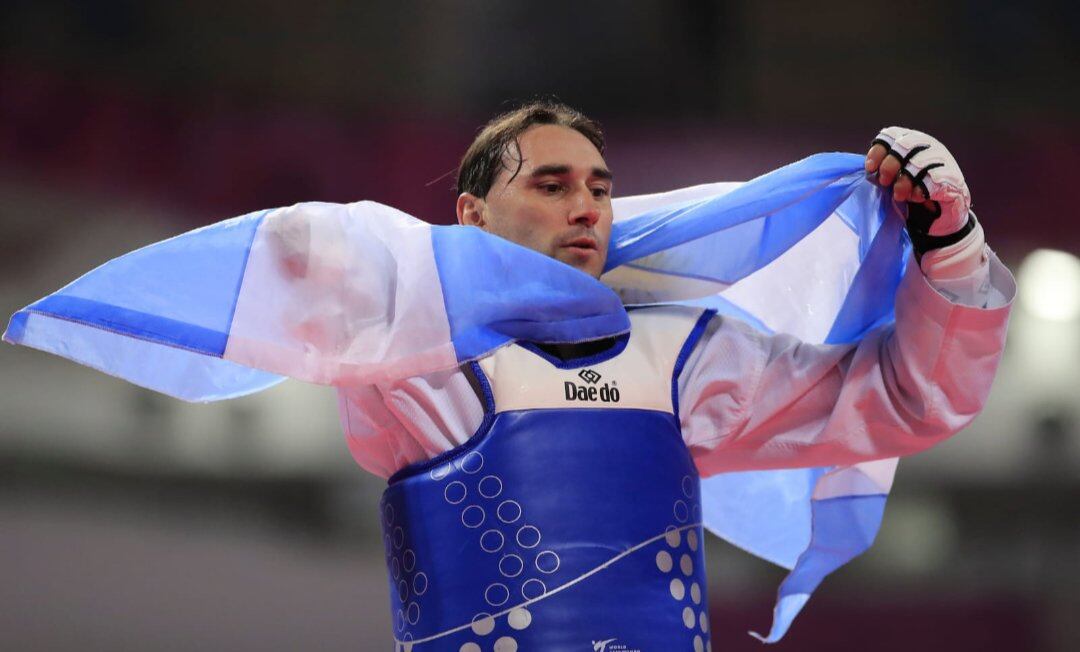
(134, 522)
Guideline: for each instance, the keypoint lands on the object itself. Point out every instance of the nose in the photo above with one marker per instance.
(585, 209)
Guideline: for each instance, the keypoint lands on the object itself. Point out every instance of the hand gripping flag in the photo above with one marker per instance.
(354, 294)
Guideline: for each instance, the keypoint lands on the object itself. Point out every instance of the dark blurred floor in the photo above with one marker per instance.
(90, 573)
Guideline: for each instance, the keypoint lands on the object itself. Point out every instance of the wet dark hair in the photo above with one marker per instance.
(498, 141)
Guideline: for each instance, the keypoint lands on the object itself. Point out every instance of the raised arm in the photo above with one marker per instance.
(755, 401)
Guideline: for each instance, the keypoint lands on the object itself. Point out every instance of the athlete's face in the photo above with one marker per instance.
(559, 203)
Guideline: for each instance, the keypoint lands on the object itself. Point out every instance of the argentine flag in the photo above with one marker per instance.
(361, 293)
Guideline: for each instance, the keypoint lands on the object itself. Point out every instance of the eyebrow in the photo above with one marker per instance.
(557, 169)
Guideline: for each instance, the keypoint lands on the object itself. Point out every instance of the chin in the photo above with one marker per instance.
(592, 270)
(590, 267)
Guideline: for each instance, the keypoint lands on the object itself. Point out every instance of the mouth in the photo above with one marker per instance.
(583, 243)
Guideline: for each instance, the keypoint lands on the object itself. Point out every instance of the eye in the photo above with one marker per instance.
(600, 192)
(550, 187)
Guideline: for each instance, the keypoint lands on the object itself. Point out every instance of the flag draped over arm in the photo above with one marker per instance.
(363, 293)
(818, 258)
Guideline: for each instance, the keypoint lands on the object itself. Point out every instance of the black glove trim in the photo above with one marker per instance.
(917, 179)
(921, 240)
(911, 154)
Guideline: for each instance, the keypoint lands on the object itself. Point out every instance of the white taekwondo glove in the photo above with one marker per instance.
(950, 242)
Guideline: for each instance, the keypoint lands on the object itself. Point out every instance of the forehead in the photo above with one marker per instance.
(557, 145)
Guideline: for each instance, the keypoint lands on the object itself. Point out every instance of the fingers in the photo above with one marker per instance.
(918, 195)
(888, 171)
(905, 189)
(902, 188)
(874, 157)
(888, 168)
(908, 165)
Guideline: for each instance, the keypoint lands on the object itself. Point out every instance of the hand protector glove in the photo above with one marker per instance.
(930, 165)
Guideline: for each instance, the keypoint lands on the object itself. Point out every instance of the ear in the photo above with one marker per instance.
(471, 210)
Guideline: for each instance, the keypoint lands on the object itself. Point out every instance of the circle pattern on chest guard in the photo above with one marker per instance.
(673, 538)
(533, 589)
(490, 486)
(695, 593)
(388, 514)
(528, 536)
(688, 486)
(469, 647)
(492, 541)
(440, 472)
(473, 516)
(408, 560)
(413, 613)
(455, 492)
(403, 590)
(399, 538)
(519, 618)
(472, 462)
(699, 645)
(692, 540)
(506, 644)
(420, 583)
(663, 561)
(688, 618)
(496, 594)
(483, 624)
(395, 568)
(703, 622)
(677, 588)
(686, 565)
(547, 562)
(509, 511)
(682, 512)
(511, 565)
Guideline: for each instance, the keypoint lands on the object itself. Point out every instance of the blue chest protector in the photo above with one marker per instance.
(571, 520)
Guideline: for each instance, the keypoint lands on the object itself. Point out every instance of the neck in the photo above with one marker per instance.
(577, 350)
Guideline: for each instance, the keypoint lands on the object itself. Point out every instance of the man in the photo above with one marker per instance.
(544, 483)
(600, 536)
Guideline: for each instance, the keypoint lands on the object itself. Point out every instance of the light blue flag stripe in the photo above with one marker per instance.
(135, 323)
(178, 294)
(495, 292)
(870, 300)
(168, 369)
(843, 527)
(767, 513)
(750, 225)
